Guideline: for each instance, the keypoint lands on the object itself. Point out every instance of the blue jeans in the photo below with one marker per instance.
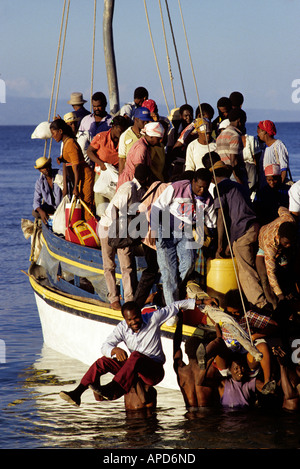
(176, 261)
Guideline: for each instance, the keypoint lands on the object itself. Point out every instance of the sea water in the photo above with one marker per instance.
(32, 416)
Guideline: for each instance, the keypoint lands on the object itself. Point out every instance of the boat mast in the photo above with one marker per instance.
(109, 55)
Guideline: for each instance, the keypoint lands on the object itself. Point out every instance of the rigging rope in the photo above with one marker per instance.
(55, 69)
(175, 47)
(216, 185)
(168, 57)
(187, 43)
(93, 53)
(60, 68)
(147, 17)
(61, 60)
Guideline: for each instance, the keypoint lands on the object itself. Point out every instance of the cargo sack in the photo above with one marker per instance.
(59, 217)
(42, 131)
(107, 181)
(80, 231)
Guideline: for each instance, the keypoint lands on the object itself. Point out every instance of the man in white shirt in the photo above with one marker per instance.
(199, 147)
(294, 199)
(92, 124)
(142, 337)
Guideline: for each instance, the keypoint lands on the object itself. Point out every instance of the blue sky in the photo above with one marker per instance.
(250, 46)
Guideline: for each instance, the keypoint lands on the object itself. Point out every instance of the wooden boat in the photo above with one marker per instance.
(68, 282)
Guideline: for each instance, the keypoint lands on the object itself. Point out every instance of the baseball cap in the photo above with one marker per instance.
(143, 113)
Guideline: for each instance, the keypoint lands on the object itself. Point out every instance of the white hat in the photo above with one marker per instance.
(225, 123)
(153, 129)
(76, 98)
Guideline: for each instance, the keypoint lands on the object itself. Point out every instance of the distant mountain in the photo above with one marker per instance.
(32, 111)
(27, 111)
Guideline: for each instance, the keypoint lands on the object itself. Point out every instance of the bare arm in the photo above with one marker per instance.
(92, 154)
(122, 162)
(76, 179)
(65, 182)
(283, 175)
(234, 163)
(221, 231)
(120, 354)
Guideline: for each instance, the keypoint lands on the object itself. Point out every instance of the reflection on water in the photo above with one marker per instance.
(38, 418)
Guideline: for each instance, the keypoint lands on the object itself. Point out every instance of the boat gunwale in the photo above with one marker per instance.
(92, 309)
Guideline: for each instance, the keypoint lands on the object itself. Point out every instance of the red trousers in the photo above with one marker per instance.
(127, 372)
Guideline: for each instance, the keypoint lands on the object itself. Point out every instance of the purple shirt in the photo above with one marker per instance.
(88, 124)
(42, 191)
(237, 393)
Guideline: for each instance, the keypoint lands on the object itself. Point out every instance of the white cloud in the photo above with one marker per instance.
(21, 86)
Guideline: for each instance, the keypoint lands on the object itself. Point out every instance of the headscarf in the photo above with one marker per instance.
(272, 170)
(268, 126)
(153, 129)
(150, 104)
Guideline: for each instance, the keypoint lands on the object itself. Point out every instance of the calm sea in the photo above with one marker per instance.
(32, 416)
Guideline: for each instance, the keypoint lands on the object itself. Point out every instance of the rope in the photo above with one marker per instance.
(168, 57)
(93, 51)
(186, 40)
(62, 55)
(217, 188)
(60, 68)
(147, 17)
(55, 69)
(175, 47)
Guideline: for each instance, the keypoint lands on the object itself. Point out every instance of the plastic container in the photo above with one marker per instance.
(220, 277)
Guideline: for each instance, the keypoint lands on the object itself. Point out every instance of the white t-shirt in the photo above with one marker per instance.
(129, 193)
(128, 109)
(194, 154)
(251, 149)
(276, 154)
(294, 197)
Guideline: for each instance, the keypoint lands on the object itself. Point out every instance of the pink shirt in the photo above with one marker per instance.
(139, 153)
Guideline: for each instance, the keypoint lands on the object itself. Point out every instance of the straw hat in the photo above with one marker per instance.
(42, 162)
(71, 117)
(76, 99)
(174, 114)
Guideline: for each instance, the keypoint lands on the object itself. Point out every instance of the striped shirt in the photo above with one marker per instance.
(276, 154)
(229, 142)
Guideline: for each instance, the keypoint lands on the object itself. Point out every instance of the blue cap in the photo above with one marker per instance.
(143, 113)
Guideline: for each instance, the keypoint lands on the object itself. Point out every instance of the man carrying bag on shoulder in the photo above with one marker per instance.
(127, 195)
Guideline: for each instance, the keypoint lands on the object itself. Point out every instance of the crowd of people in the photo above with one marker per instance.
(207, 190)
